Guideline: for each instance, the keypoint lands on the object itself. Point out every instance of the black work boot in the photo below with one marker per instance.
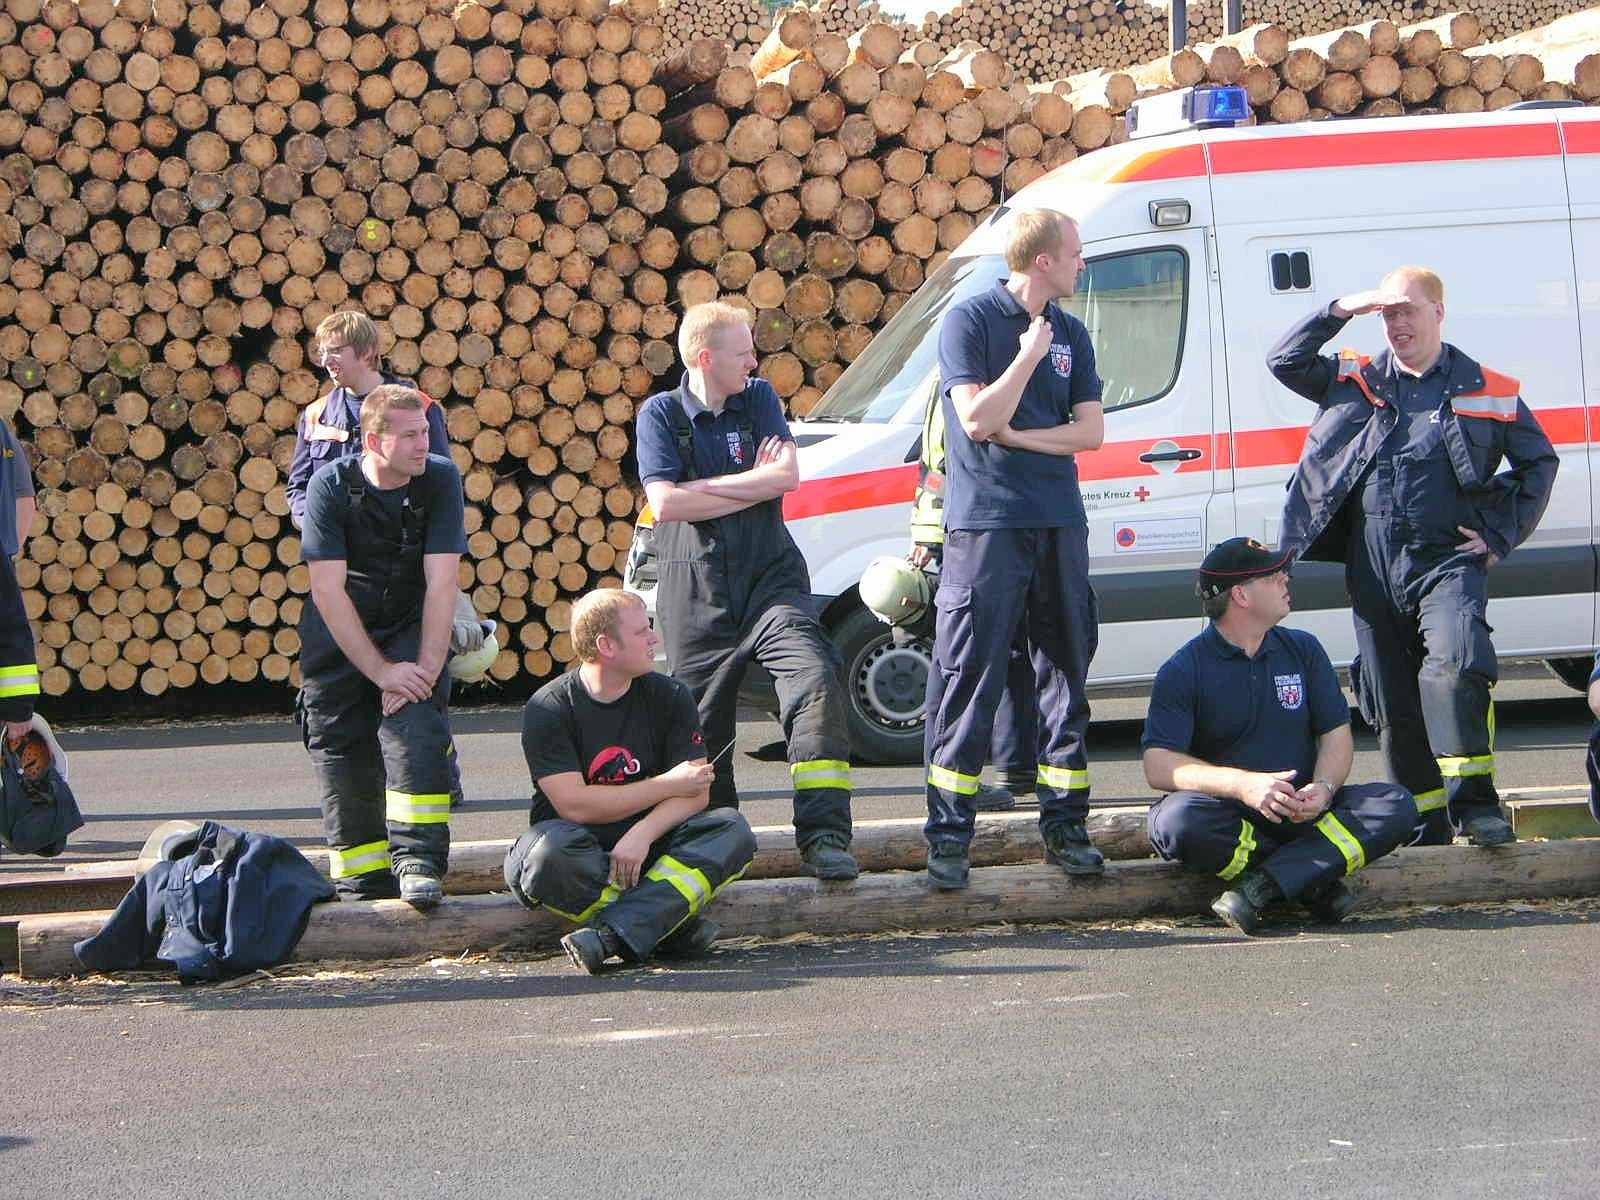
(1067, 846)
(589, 947)
(1330, 901)
(689, 940)
(948, 866)
(1241, 907)
(828, 857)
(993, 798)
(1488, 828)
(420, 889)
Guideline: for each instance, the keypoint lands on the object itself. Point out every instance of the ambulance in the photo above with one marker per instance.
(1205, 242)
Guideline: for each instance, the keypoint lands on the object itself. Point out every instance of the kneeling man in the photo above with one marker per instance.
(620, 839)
(1249, 734)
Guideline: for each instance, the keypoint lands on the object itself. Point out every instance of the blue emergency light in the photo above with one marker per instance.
(1188, 108)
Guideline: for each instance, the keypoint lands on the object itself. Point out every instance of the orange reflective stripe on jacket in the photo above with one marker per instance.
(1495, 401)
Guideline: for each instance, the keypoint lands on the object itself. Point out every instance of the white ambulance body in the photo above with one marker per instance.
(1204, 247)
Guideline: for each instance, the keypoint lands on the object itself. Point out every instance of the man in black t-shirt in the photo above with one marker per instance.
(382, 539)
(621, 841)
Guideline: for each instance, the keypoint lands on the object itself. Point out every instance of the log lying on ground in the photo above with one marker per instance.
(1002, 839)
(878, 903)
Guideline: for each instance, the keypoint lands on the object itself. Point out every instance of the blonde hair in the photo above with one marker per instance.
(701, 322)
(1034, 232)
(355, 329)
(600, 612)
(383, 400)
(1432, 285)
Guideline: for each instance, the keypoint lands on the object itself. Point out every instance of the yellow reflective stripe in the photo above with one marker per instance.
(19, 680)
(952, 781)
(1463, 768)
(358, 860)
(1428, 801)
(691, 883)
(406, 809)
(1063, 779)
(820, 773)
(1349, 845)
(607, 895)
(1491, 726)
(1241, 852)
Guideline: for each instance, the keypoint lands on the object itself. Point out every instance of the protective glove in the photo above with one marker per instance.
(466, 634)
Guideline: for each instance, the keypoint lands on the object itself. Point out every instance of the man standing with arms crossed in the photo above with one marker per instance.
(1398, 482)
(383, 536)
(716, 459)
(1021, 397)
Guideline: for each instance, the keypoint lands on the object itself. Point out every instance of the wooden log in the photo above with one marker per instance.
(695, 63)
(881, 901)
(792, 34)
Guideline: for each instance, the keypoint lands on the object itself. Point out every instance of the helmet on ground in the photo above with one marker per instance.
(895, 590)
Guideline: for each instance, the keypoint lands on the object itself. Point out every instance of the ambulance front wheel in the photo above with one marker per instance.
(886, 686)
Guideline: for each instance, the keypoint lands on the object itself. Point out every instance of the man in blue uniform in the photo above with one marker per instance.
(1015, 742)
(620, 839)
(330, 430)
(716, 459)
(1398, 481)
(1020, 397)
(19, 663)
(382, 538)
(1249, 735)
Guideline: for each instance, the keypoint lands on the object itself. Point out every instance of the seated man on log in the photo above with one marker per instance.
(621, 841)
(1249, 734)
(383, 537)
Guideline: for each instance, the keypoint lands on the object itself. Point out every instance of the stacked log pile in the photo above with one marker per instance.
(1049, 39)
(525, 196)
(744, 23)
(187, 189)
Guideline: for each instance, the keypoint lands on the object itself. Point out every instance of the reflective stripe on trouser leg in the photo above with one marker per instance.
(402, 808)
(702, 856)
(1063, 625)
(1242, 852)
(1206, 834)
(358, 860)
(820, 773)
(1346, 842)
(561, 866)
(20, 679)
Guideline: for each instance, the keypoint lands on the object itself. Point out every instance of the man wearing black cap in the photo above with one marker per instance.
(1249, 735)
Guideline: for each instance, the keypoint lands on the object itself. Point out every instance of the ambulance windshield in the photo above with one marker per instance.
(897, 369)
(1134, 303)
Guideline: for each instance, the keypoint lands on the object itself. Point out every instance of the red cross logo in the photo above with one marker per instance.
(1142, 492)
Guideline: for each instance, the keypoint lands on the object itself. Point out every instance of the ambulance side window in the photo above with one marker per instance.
(1135, 305)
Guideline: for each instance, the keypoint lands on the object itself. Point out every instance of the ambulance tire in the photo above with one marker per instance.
(885, 688)
(1574, 672)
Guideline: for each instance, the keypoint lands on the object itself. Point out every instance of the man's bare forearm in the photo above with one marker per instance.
(678, 502)
(1169, 771)
(438, 612)
(992, 408)
(1073, 437)
(753, 486)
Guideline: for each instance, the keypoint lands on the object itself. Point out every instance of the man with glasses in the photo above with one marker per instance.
(1248, 734)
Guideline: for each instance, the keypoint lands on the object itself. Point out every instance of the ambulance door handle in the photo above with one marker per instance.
(1155, 456)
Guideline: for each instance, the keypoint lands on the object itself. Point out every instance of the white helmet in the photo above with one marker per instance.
(471, 665)
(895, 590)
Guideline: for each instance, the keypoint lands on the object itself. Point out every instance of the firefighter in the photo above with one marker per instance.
(1013, 747)
(1398, 482)
(329, 430)
(620, 839)
(383, 536)
(716, 458)
(1020, 397)
(1248, 734)
(19, 663)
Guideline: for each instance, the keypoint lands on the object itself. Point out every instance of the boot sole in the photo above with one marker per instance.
(576, 958)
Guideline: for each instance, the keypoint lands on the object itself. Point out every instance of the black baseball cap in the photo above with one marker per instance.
(1239, 560)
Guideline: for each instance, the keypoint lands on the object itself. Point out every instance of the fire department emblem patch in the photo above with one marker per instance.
(736, 449)
(1291, 694)
(1061, 358)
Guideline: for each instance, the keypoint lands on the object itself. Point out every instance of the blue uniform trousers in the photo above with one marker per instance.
(1223, 837)
(993, 581)
(1014, 745)
(1426, 668)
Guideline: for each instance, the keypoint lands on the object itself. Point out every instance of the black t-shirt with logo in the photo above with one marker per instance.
(646, 732)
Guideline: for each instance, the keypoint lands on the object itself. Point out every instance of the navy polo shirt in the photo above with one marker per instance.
(716, 447)
(993, 487)
(1265, 713)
